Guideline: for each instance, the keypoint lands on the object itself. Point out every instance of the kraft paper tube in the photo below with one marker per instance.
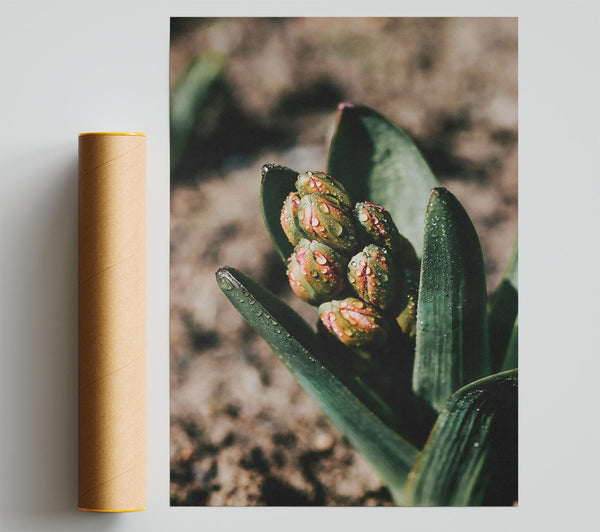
(112, 322)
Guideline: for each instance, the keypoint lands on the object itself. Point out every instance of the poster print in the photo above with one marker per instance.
(343, 262)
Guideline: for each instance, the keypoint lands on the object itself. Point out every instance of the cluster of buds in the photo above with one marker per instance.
(349, 251)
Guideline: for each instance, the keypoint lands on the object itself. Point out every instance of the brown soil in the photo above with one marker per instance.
(242, 431)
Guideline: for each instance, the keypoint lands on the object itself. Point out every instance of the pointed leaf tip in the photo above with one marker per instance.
(376, 161)
(265, 169)
(471, 457)
(452, 345)
(341, 108)
(276, 183)
(344, 105)
(222, 272)
(301, 350)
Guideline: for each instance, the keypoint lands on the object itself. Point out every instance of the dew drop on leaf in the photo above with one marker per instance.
(225, 284)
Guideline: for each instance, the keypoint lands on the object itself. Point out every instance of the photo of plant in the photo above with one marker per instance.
(344, 326)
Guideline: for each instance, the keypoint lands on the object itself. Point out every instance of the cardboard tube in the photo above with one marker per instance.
(112, 322)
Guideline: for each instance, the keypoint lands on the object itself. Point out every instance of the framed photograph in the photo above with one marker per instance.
(344, 303)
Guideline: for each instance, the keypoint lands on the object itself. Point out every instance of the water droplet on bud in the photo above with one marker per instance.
(336, 228)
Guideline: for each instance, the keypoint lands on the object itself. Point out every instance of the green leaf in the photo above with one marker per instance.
(378, 162)
(299, 348)
(511, 359)
(471, 457)
(414, 419)
(452, 343)
(188, 99)
(277, 182)
(503, 313)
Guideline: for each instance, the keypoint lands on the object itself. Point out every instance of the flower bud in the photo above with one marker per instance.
(322, 183)
(376, 225)
(323, 218)
(354, 322)
(316, 272)
(289, 218)
(371, 275)
(407, 319)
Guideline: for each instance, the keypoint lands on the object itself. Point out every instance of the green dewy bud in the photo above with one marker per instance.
(316, 272)
(407, 319)
(323, 218)
(354, 322)
(376, 225)
(371, 275)
(289, 218)
(322, 183)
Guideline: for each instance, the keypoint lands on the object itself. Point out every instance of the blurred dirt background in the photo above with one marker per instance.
(242, 431)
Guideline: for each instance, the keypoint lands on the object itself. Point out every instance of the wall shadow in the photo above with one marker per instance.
(38, 373)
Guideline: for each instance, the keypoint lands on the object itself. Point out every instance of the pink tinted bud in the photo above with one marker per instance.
(371, 275)
(316, 272)
(354, 322)
(322, 183)
(323, 218)
(289, 218)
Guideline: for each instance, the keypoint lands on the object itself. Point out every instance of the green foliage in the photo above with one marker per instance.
(470, 458)
(187, 100)
(277, 182)
(384, 398)
(452, 344)
(376, 160)
(299, 348)
(503, 318)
